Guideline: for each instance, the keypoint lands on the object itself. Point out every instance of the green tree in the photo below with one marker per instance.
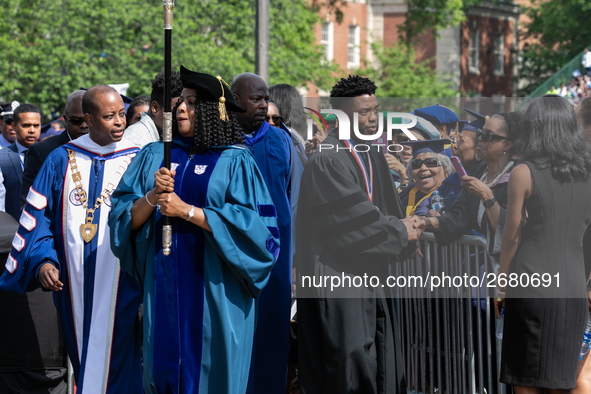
(51, 48)
(562, 30)
(437, 14)
(400, 74)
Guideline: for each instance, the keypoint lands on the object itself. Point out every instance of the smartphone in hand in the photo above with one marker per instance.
(458, 166)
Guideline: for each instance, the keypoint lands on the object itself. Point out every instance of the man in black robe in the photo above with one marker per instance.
(350, 222)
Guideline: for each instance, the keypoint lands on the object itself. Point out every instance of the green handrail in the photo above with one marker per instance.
(563, 75)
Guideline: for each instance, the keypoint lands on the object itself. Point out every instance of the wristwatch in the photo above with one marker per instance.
(191, 214)
(489, 203)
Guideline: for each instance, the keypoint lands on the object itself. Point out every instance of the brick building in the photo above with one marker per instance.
(478, 56)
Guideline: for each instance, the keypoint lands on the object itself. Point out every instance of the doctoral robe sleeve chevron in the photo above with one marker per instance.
(243, 219)
(34, 243)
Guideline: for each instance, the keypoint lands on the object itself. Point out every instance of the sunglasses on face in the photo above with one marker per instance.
(8, 121)
(430, 162)
(76, 121)
(276, 119)
(488, 136)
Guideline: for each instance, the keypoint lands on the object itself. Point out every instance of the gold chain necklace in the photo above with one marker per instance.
(88, 229)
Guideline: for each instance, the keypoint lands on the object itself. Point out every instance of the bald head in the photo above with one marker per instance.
(74, 100)
(75, 122)
(90, 100)
(246, 81)
(252, 94)
(105, 114)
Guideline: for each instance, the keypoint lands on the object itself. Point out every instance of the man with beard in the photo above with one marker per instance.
(273, 152)
(63, 244)
(76, 126)
(352, 223)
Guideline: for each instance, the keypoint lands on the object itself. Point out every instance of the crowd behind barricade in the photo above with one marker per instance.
(579, 86)
(255, 207)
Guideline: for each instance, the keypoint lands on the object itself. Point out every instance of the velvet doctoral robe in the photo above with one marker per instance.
(99, 302)
(348, 340)
(274, 153)
(200, 301)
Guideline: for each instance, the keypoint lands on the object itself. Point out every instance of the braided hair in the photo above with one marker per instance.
(210, 130)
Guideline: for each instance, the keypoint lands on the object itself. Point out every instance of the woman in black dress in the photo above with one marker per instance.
(548, 211)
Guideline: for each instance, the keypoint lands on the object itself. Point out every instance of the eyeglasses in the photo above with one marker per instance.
(429, 162)
(8, 121)
(76, 121)
(488, 136)
(276, 119)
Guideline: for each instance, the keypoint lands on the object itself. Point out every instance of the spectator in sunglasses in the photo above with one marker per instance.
(427, 170)
(424, 130)
(482, 203)
(273, 117)
(76, 126)
(8, 134)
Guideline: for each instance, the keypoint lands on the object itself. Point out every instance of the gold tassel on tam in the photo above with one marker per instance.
(222, 104)
(222, 108)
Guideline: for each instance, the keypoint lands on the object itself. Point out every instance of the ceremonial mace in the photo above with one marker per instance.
(167, 127)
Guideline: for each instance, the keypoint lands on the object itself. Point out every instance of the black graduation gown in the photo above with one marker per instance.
(348, 345)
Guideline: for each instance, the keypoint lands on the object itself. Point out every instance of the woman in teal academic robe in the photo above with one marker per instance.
(199, 301)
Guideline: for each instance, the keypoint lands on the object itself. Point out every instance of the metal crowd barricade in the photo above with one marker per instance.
(448, 335)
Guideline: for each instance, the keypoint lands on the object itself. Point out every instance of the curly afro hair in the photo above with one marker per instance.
(352, 86)
(210, 130)
(158, 87)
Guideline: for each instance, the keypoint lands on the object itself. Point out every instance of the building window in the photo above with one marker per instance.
(499, 54)
(327, 40)
(473, 51)
(353, 60)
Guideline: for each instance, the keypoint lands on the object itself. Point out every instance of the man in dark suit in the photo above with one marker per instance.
(27, 125)
(75, 127)
(34, 360)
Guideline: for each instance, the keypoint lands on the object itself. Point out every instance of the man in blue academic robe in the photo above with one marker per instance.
(273, 152)
(63, 245)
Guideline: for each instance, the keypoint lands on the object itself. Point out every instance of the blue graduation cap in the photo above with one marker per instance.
(438, 114)
(47, 130)
(476, 124)
(435, 146)
(126, 101)
(462, 124)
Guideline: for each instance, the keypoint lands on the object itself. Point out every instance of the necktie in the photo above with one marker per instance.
(25, 159)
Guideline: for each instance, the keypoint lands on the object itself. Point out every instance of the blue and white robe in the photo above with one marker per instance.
(99, 302)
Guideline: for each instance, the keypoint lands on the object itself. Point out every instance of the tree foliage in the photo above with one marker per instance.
(401, 75)
(561, 29)
(437, 14)
(51, 48)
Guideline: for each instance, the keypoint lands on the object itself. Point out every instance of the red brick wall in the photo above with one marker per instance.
(425, 45)
(352, 12)
(486, 83)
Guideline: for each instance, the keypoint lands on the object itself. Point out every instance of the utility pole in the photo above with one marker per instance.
(262, 40)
